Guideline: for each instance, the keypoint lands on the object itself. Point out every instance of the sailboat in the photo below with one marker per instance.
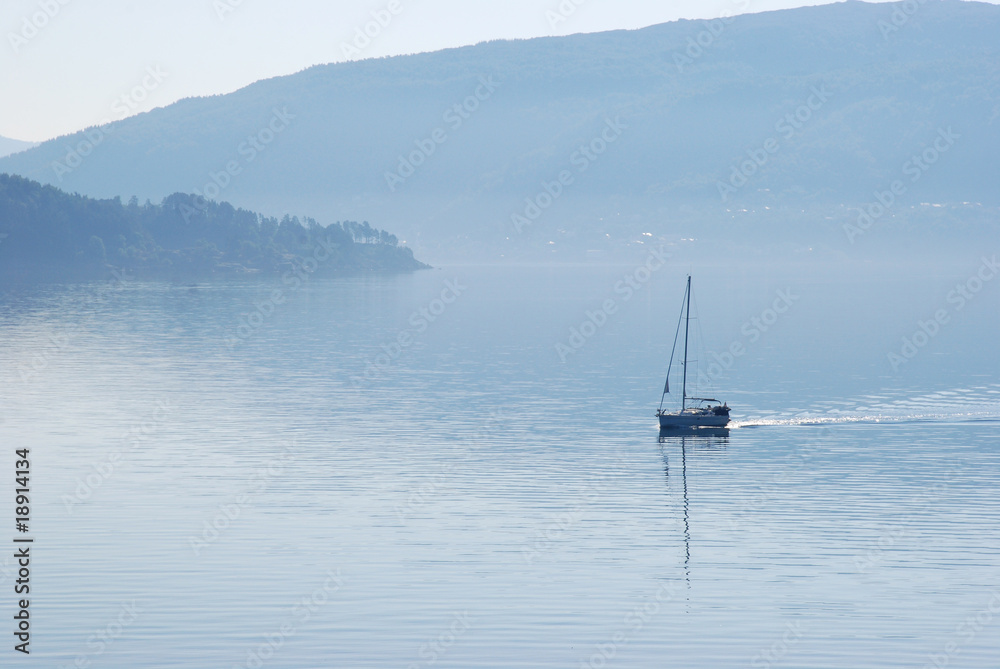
(703, 413)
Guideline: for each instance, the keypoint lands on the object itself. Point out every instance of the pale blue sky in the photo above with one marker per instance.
(70, 66)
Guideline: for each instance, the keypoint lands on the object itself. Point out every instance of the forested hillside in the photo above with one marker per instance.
(46, 233)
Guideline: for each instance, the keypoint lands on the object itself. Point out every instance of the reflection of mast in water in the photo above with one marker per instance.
(721, 438)
(687, 525)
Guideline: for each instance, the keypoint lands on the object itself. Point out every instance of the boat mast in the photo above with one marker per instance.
(673, 349)
(687, 324)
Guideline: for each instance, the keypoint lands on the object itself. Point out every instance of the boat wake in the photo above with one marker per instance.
(828, 420)
(963, 405)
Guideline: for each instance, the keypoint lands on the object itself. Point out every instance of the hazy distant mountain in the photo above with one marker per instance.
(47, 234)
(781, 121)
(9, 146)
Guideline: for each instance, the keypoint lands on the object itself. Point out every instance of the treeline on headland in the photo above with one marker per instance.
(48, 234)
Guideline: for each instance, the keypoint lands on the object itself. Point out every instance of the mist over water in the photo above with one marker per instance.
(408, 470)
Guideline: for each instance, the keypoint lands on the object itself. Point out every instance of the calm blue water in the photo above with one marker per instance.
(346, 481)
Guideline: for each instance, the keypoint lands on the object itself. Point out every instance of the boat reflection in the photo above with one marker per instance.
(699, 439)
(709, 437)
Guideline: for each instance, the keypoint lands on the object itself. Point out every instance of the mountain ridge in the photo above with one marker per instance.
(690, 124)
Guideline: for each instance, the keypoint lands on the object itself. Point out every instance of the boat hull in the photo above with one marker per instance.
(693, 419)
